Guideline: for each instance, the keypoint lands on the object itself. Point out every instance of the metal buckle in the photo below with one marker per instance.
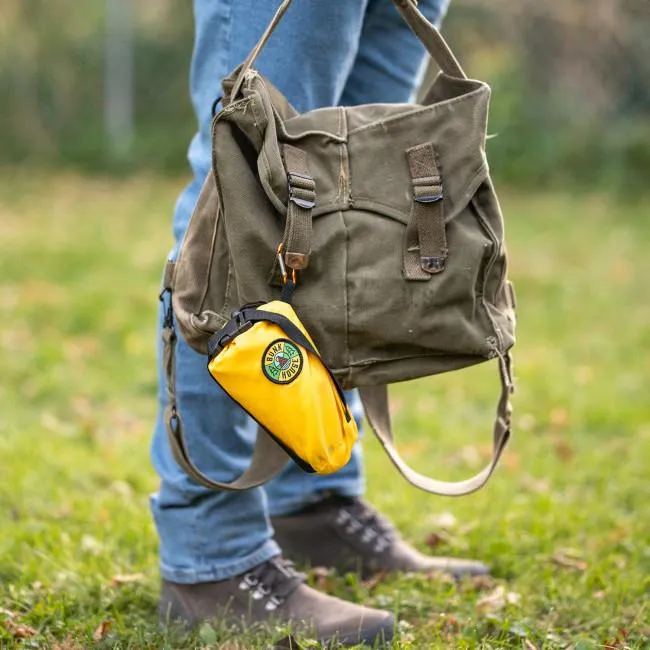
(304, 183)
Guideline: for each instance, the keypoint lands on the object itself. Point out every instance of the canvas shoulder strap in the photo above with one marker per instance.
(421, 27)
(268, 457)
(375, 404)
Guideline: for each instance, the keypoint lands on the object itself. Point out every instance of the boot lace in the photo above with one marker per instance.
(357, 518)
(273, 582)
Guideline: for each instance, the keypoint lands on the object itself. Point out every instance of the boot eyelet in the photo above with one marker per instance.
(249, 581)
(273, 603)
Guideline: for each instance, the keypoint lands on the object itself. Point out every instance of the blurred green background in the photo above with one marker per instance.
(103, 85)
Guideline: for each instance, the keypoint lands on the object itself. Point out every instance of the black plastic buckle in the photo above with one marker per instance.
(236, 326)
(168, 319)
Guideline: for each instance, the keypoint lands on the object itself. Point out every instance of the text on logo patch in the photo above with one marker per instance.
(282, 361)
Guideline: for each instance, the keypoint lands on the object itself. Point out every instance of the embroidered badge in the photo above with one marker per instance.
(282, 361)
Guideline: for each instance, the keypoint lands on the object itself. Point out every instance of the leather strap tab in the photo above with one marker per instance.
(375, 403)
(302, 197)
(426, 240)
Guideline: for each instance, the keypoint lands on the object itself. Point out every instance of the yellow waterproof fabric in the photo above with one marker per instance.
(288, 391)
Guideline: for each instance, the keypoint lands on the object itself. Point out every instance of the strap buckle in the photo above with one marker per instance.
(302, 190)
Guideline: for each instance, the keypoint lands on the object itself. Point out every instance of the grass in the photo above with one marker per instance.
(565, 522)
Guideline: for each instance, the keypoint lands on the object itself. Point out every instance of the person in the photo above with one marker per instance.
(228, 555)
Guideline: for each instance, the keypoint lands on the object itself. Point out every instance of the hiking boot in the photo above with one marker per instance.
(274, 592)
(348, 535)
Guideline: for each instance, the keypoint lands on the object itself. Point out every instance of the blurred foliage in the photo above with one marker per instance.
(571, 100)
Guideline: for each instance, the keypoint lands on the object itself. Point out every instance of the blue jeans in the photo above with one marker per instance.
(342, 52)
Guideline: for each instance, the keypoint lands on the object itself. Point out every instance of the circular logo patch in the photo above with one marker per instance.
(282, 361)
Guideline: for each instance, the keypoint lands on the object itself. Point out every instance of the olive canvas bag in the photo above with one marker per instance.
(386, 218)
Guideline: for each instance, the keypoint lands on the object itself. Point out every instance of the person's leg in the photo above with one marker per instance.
(205, 535)
(388, 67)
(390, 62)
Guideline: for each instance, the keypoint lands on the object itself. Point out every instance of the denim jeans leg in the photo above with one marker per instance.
(206, 535)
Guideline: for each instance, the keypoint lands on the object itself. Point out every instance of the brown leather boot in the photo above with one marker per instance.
(348, 535)
(275, 592)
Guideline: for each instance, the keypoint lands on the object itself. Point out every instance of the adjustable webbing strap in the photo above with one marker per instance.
(375, 403)
(268, 457)
(298, 227)
(426, 241)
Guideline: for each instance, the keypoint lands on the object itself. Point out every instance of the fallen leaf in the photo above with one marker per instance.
(536, 485)
(511, 460)
(321, 577)
(497, 600)
(567, 562)
(436, 539)
(526, 422)
(18, 630)
(443, 520)
(470, 456)
(8, 613)
(371, 583)
(102, 630)
(126, 578)
(599, 595)
(563, 450)
(480, 583)
(559, 418)
(449, 623)
(528, 645)
(91, 545)
(67, 644)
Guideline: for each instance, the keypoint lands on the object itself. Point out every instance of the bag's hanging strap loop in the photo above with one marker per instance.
(426, 241)
(375, 403)
(422, 28)
(268, 457)
(296, 242)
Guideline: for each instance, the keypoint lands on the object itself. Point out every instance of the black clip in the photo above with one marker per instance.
(168, 319)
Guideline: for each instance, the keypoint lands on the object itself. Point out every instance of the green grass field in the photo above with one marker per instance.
(565, 522)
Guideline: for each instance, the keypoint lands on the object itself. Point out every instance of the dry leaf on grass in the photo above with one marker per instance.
(102, 630)
(18, 630)
(559, 418)
(371, 583)
(449, 624)
(444, 520)
(321, 577)
(528, 645)
(480, 583)
(563, 450)
(536, 485)
(436, 539)
(126, 579)
(8, 613)
(67, 644)
(565, 561)
(497, 600)
(599, 595)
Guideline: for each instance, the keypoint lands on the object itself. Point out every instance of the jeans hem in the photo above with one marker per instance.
(212, 574)
(287, 506)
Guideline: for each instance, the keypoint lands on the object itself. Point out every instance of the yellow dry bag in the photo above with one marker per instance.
(265, 360)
